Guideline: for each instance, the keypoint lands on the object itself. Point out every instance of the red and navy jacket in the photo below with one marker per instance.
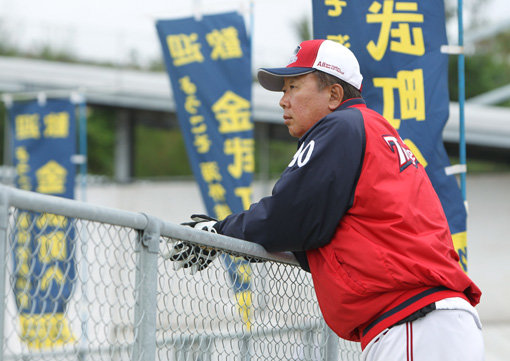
(359, 213)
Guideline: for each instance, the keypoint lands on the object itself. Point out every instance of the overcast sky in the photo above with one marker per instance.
(114, 30)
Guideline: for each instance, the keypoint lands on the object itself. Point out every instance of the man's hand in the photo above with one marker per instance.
(202, 222)
(196, 258)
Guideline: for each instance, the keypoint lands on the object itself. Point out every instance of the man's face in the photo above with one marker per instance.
(303, 103)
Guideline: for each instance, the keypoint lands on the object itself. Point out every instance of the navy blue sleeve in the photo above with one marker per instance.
(312, 194)
(302, 260)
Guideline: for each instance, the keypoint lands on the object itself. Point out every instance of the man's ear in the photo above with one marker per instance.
(336, 95)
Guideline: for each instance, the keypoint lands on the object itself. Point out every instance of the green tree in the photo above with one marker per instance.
(160, 153)
(487, 63)
(100, 140)
(484, 71)
(302, 28)
(2, 130)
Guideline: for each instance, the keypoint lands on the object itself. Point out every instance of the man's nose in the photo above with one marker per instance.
(283, 101)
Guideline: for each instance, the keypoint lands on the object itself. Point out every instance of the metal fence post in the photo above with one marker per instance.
(331, 344)
(4, 221)
(146, 291)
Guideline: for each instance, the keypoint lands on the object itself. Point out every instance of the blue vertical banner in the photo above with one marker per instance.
(209, 65)
(44, 139)
(405, 78)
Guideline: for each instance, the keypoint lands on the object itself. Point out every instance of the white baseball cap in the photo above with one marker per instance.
(324, 55)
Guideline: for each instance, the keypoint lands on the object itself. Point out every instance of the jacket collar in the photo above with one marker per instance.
(352, 102)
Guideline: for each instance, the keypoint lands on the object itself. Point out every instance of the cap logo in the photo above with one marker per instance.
(293, 58)
(323, 64)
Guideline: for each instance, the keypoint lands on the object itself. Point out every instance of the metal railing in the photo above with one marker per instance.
(83, 282)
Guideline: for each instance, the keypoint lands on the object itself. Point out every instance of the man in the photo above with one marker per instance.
(359, 212)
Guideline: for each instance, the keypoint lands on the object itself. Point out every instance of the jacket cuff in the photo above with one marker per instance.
(302, 259)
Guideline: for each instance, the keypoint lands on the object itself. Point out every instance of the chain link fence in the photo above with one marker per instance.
(82, 282)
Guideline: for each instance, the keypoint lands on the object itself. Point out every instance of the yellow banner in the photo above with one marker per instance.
(43, 331)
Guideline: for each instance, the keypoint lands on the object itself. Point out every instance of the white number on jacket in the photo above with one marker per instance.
(303, 154)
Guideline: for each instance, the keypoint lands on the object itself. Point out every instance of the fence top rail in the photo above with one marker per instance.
(226, 243)
(36, 202)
